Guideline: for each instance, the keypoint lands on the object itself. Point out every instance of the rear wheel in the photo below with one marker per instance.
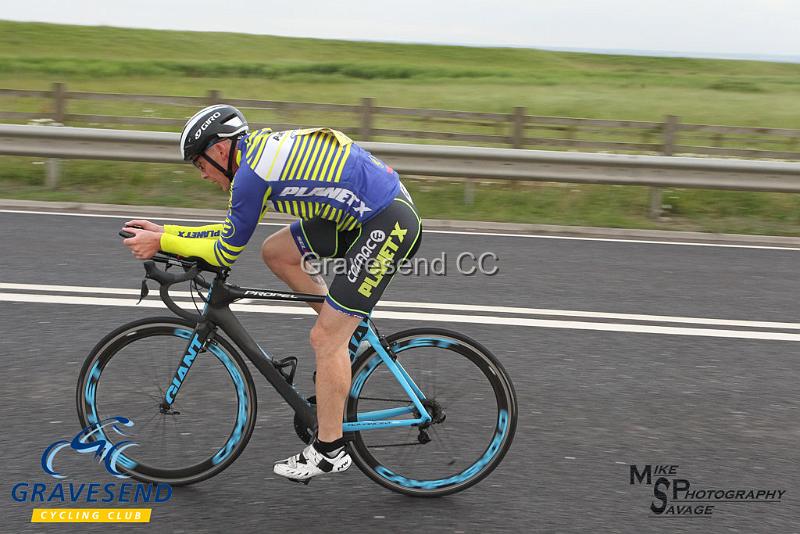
(469, 397)
(207, 426)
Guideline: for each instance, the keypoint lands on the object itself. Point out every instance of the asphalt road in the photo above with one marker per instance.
(714, 399)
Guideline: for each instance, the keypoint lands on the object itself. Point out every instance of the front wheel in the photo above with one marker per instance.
(200, 434)
(467, 393)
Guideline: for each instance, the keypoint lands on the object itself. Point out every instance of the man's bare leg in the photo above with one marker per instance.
(329, 338)
(327, 454)
(282, 257)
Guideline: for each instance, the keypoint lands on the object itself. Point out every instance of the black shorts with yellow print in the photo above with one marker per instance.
(370, 253)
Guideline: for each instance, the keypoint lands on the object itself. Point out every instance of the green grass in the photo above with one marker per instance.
(33, 56)
(542, 203)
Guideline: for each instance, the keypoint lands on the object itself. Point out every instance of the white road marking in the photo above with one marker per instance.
(613, 240)
(444, 307)
(458, 232)
(430, 317)
(590, 315)
(82, 289)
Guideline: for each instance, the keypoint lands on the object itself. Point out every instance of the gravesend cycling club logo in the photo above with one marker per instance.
(92, 440)
(678, 497)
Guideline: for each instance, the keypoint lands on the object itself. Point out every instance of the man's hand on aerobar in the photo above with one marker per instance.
(146, 240)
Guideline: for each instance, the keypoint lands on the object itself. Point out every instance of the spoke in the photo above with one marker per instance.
(435, 373)
(154, 372)
(144, 425)
(163, 434)
(474, 378)
(176, 425)
(448, 444)
(133, 418)
(405, 453)
(130, 389)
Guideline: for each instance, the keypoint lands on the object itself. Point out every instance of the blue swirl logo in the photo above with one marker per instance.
(93, 439)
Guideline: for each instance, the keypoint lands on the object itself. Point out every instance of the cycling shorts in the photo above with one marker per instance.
(368, 255)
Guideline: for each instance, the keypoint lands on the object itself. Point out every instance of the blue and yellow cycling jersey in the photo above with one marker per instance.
(309, 173)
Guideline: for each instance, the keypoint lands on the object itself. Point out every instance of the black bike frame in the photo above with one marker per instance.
(217, 314)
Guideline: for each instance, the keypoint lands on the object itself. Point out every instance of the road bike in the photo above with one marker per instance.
(430, 411)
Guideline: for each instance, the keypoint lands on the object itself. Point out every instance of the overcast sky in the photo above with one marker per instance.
(735, 27)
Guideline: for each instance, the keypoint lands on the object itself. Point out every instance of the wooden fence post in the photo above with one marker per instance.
(469, 192)
(53, 171)
(671, 125)
(59, 102)
(214, 97)
(518, 127)
(53, 166)
(365, 131)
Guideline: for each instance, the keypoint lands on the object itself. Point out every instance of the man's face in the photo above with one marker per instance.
(219, 153)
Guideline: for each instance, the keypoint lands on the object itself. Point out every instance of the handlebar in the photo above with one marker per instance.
(192, 268)
(166, 280)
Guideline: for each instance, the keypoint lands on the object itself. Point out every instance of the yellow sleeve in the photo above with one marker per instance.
(194, 232)
(188, 247)
(197, 241)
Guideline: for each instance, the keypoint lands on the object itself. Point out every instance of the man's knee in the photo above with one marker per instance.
(332, 331)
(322, 339)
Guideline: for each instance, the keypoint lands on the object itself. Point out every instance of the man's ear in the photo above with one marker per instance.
(216, 149)
(220, 150)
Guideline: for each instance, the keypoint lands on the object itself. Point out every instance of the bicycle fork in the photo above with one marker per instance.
(197, 342)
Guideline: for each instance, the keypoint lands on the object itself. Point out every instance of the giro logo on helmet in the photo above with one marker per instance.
(205, 125)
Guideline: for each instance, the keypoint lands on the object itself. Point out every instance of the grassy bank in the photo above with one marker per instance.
(32, 56)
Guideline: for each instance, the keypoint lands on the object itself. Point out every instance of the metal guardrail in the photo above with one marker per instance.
(437, 160)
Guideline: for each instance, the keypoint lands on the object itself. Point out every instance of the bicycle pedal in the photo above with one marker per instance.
(300, 481)
(281, 365)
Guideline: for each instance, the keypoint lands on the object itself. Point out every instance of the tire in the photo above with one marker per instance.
(477, 447)
(111, 379)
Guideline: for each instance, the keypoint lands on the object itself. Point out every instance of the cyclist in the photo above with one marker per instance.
(350, 205)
